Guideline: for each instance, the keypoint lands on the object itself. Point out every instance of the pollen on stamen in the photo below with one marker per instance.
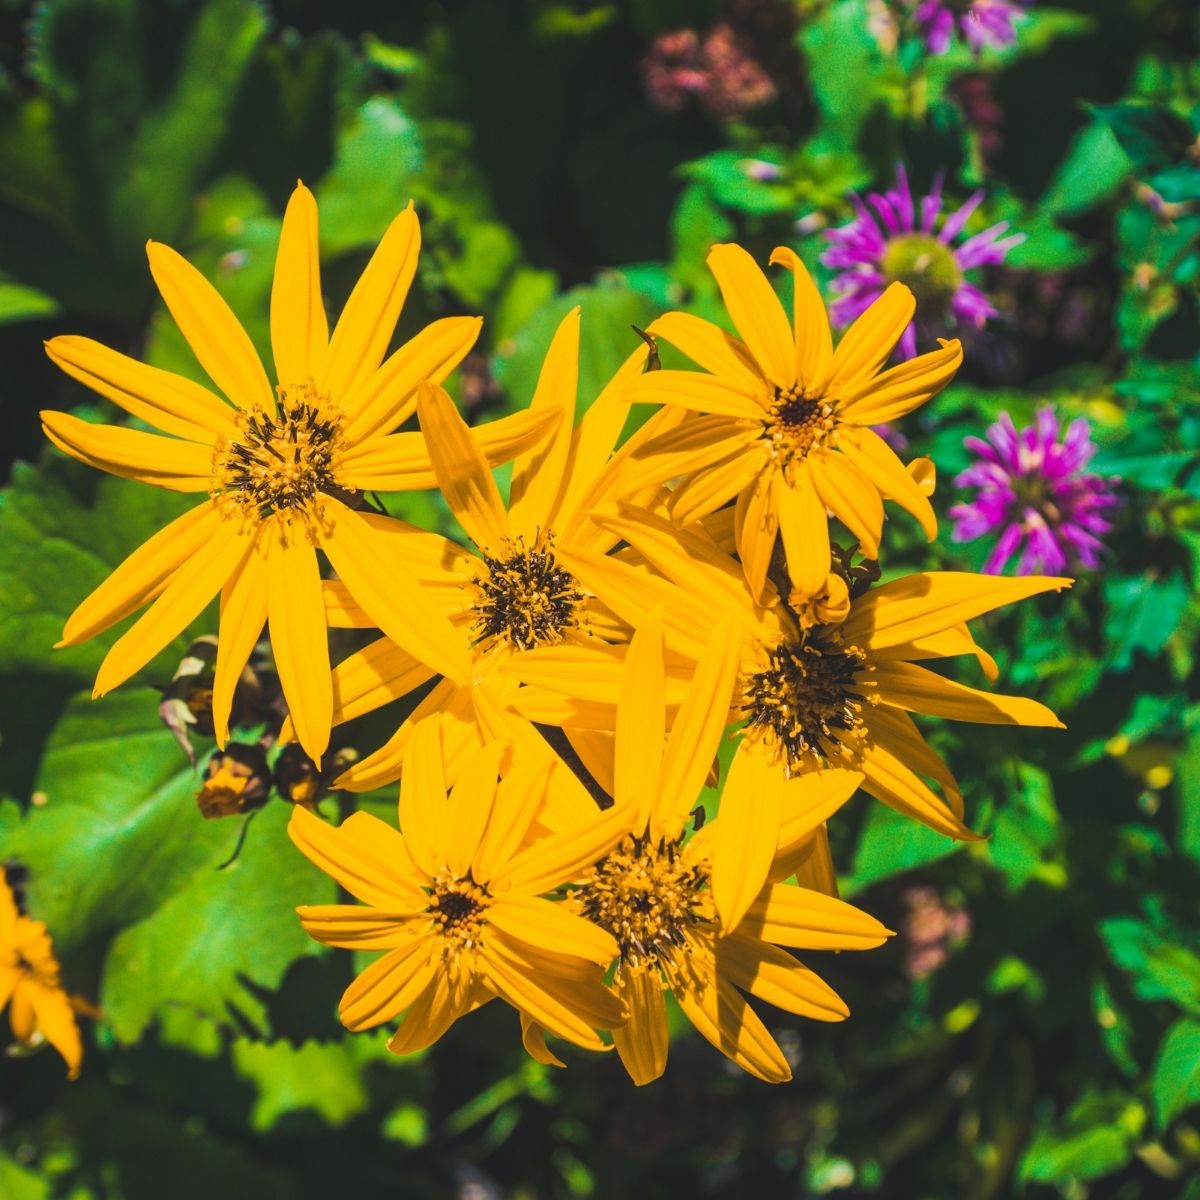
(647, 895)
(458, 907)
(525, 597)
(810, 698)
(799, 423)
(282, 462)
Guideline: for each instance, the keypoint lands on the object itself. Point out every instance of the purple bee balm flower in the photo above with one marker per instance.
(895, 237)
(1033, 488)
(979, 22)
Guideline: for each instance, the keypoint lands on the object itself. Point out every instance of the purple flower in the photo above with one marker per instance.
(1033, 488)
(979, 22)
(915, 243)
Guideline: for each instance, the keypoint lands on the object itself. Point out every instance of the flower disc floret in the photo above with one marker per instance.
(927, 267)
(799, 423)
(458, 907)
(282, 462)
(525, 597)
(810, 696)
(647, 894)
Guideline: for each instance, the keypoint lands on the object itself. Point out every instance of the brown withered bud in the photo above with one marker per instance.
(186, 703)
(236, 780)
(858, 578)
(298, 779)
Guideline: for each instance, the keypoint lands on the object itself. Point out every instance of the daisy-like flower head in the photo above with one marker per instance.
(508, 591)
(457, 900)
(702, 917)
(831, 685)
(896, 238)
(980, 23)
(1033, 490)
(39, 1010)
(782, 420)
(282, 467)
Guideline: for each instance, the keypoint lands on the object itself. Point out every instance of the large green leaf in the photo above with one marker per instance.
(1095, 1138)
(62, 530)
(1159, 968)
(891, 844)
(1175, 1081)
(318, 1077)
(117, 849)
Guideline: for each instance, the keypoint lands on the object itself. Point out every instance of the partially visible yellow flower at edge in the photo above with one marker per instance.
(782, 419)
(281, 467)
(39, 1008)
(456, 898)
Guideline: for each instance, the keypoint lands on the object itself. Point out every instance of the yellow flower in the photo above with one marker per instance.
(281, 467)
(39, 1009)
(456, 900)
(785, 418)
(811, 697)
(510, 592)
(660, 893)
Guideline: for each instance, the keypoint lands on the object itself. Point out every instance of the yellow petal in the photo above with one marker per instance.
(551, 928)
(641, 720)
(56, 1020)
(353, 927)
(165, 462)
(367, 857)
(517, 801)
(696, 443)
(299, 331)
(643, 1040)
(866, 345)
(433, 1012)
(697, 731)
(389, 985)
(537, 475)
(193, 585)
(755, 311)
(872, 455)
(342, 611)
(387, 398)
(143, 574)
(811, 799)
(745, 835)
(804, 528)
(296, 613)
(852, 496)
(711, 395)
(243, 615)
(169, 401)
(722, 1016)
(811, 862)
(462, 472)
(896, 732)
(775, 976)
(216, 336)
(374, 676)
(810, 322)
(423, 808)
(713, 486)
(469, 810)
(929, 602)
(539, 1002)
(889, 396)
(756, 528)
(712, 348)
(921, 691)
(533, 1038)
(400, 607)
(949, 643)
(794, 916)
(889, 778)
(365, 327)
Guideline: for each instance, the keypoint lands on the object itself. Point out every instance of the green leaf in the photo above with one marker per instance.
(321, 1078)
(19, 302)
(842, 61)
(20, 1183)
(1143, 613)
(610, 308)
(1026, 830)
(1187, 785)
(891, 844)
(1116, 1029)
(1159, 967)
(62, 530)
(1175, 1077)
(1091, 173)
(117, 849)
(1095, 1138)
(1152, 137)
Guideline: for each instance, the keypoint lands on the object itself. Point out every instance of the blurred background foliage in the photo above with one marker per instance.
(1034, 1030)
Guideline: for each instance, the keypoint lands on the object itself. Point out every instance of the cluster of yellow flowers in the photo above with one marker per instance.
(590, 644)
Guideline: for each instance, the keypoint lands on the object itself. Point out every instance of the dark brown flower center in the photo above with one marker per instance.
(525, 597)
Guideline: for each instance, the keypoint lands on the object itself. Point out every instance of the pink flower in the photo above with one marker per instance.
(979, 22)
